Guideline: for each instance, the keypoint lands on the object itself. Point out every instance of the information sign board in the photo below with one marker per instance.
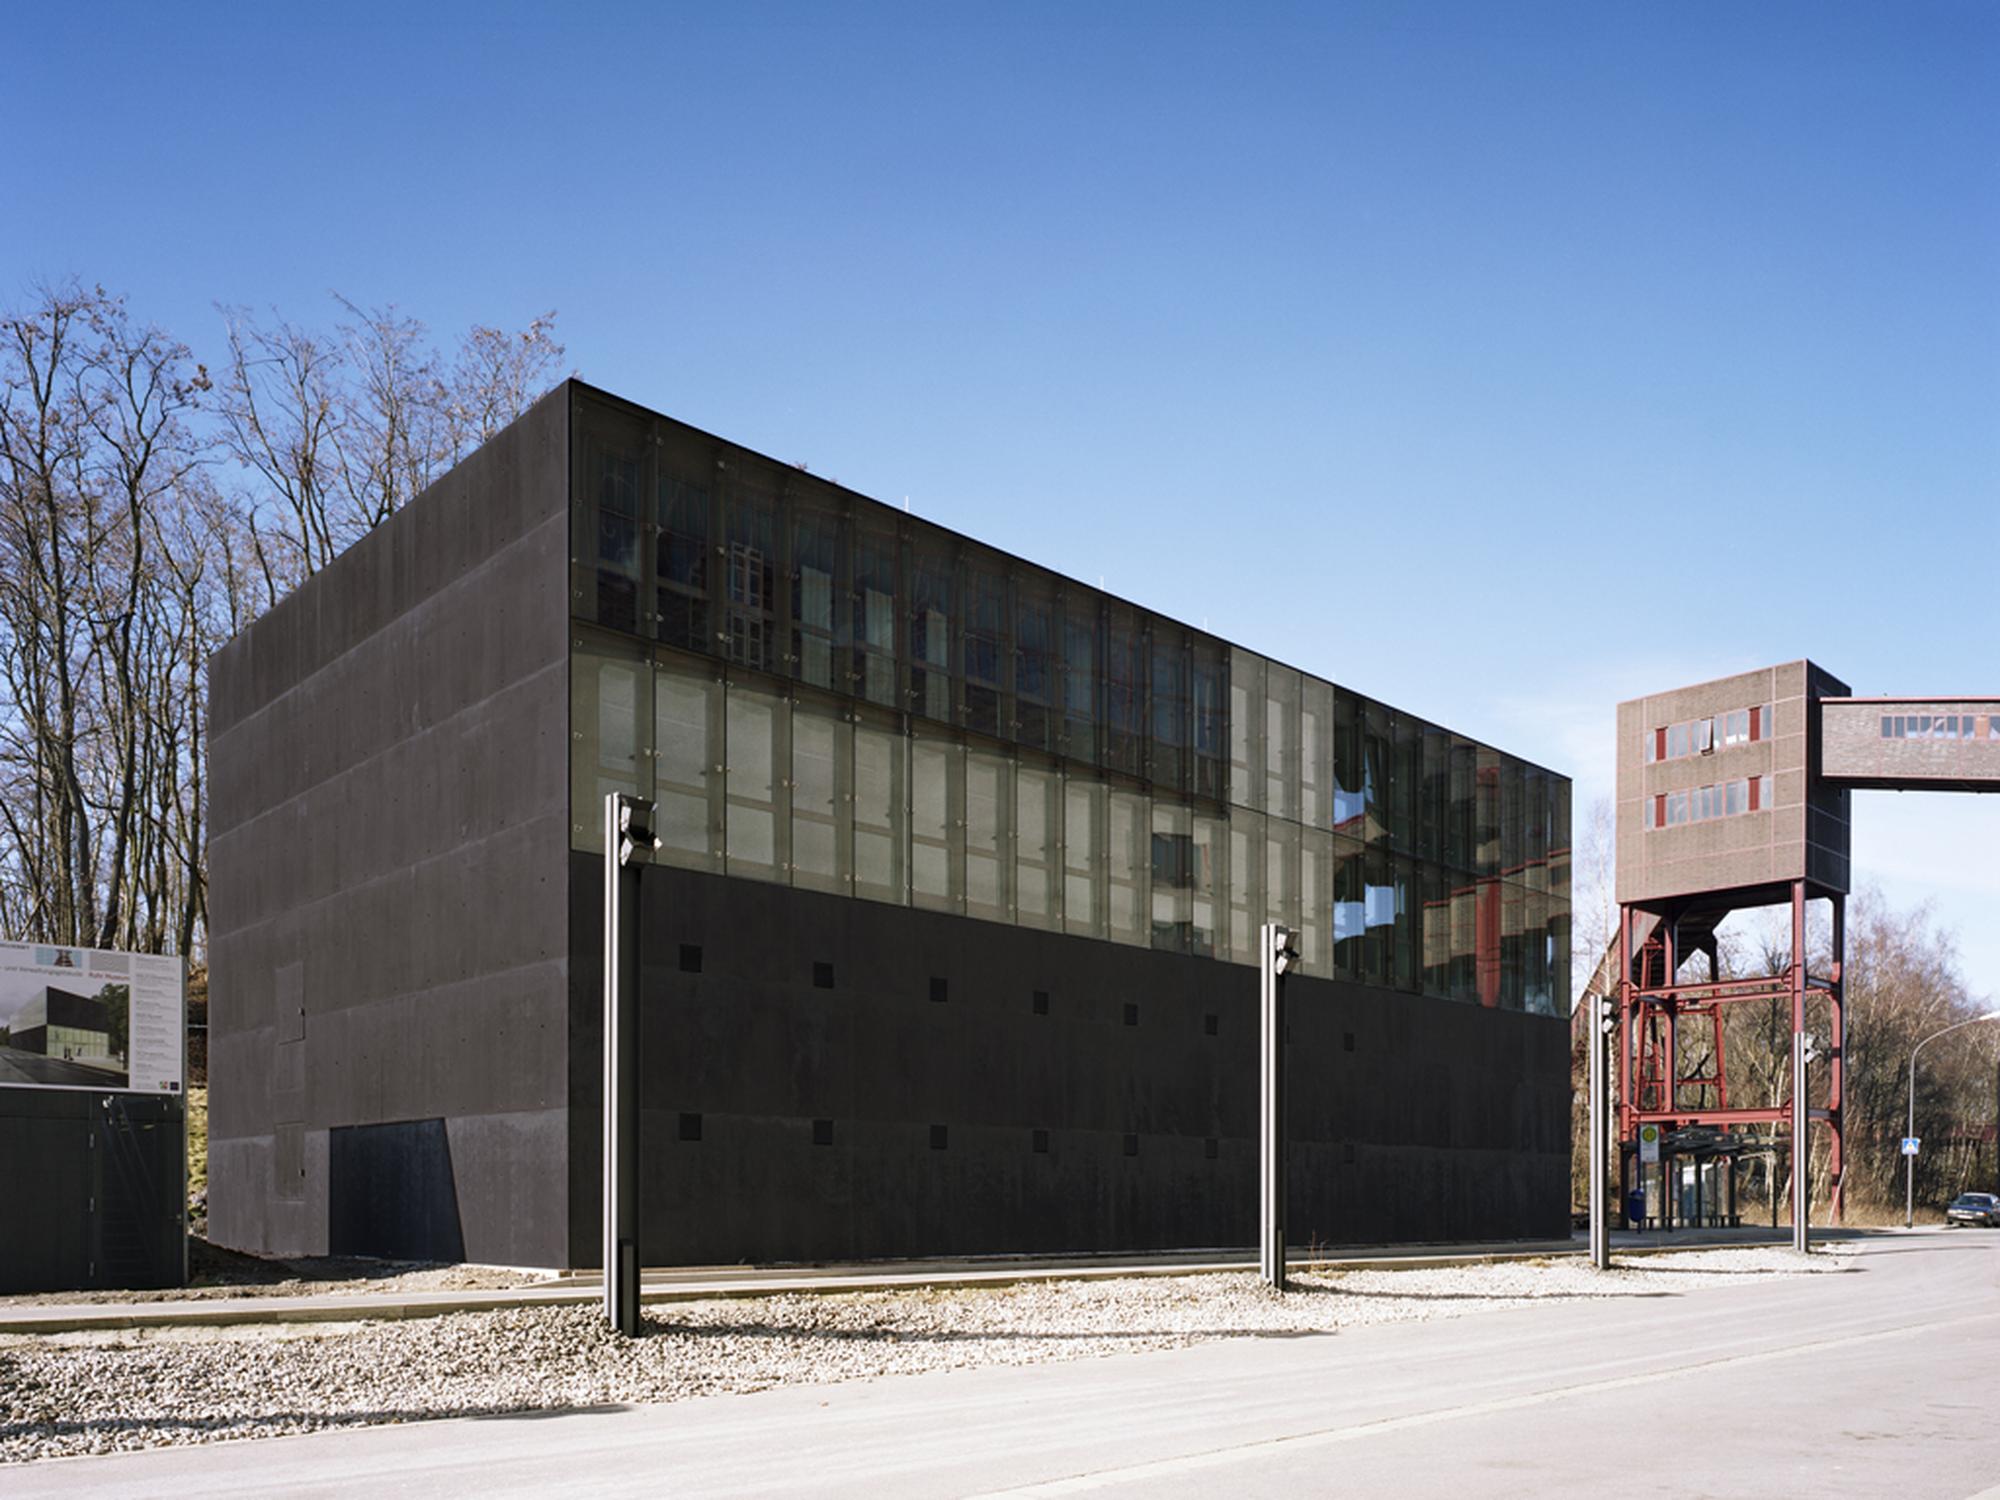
(1910, 1144)
(91, 1018)
(1649, 1143)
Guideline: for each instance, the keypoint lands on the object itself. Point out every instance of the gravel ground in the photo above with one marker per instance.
(99, 1392)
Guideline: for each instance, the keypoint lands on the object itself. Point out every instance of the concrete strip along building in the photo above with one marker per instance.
(948, 948)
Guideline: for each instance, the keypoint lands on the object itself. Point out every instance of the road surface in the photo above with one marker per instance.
(1883, 1380)
(17, 1066)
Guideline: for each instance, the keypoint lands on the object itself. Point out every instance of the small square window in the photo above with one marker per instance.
(939, 1136)
(690, 1127)
(1211, 1147)
(690, 958)
(939, 990)
(1041, 1002)
(1131, 1145)
(822, 976)
(822, 1132)
(1131, 1014)
(1041, 1143)
(1211, 1024)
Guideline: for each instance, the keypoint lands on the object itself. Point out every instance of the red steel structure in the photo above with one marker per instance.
(1734, 795)
(1673, 1061)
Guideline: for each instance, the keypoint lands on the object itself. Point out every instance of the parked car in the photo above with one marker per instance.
(1973, 1208)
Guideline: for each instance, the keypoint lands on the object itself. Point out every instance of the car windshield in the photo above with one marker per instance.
(1976, 1200)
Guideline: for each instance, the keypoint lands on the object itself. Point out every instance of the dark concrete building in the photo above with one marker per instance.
(948, 947)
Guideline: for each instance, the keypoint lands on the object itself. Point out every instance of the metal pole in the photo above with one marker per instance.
(1801, 1150)
(1598, 1023)
(628, 825)
(1909, 1161)
(1275, 954)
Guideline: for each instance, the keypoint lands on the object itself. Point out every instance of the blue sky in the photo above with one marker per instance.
(1499, 361)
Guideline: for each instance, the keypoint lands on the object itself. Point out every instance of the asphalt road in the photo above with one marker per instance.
(1880, 1381)
(17, 1066)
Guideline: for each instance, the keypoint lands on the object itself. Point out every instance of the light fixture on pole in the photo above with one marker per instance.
(628, 840)
(1277, 955)
(1910, 1143)
(1600, 1025)
(1804, 1049)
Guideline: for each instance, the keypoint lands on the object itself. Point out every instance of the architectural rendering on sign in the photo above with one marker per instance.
(949, 943)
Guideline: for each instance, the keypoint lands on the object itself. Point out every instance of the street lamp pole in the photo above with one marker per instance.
(1909, 1158)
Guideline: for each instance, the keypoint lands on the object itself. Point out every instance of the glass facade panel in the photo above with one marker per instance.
(818, 634)
(1082, 671)
(756, 813)
(1173, 859)
(687, 769)
(1038, 846)
(881, 811)
(610, 749)
(1350, 766)
(1247, 908)
(1316, 753)
(1126, 777)
(1169, 760)
(1316, 903)
(877, 568)
(1210, 709)
(988, 707)
(684, 550)
(1037, 662)
(822, 797)
(1282, 779)
(937, 823)
(1281, 872)
(750, 569)
(1083, 857)
(933, 601)
(1129, 867)
(1208, 932)
(989, 834)
(1246, 723)
(1124, 722)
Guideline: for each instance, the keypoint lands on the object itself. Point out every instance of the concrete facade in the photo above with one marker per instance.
(388, 939)
(1800, 828)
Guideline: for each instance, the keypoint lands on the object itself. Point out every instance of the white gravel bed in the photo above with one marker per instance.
(99, 1392)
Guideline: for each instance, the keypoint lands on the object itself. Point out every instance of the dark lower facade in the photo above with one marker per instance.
(829, 1079)
(93, 1188)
